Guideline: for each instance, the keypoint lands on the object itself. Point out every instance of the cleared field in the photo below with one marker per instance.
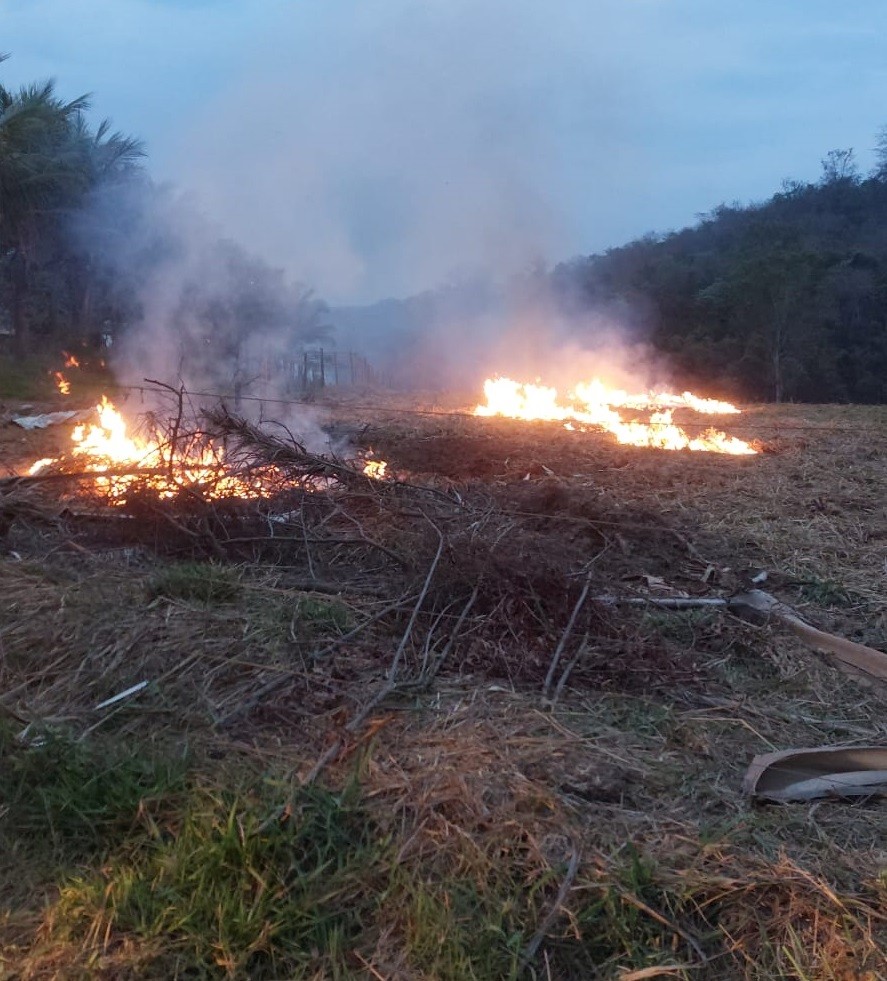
(390, 730)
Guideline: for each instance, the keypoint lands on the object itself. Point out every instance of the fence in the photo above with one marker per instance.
(308, 372)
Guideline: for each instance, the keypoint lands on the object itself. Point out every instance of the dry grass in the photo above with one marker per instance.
(604, 836)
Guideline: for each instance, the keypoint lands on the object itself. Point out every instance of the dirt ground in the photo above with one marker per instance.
(618, 793)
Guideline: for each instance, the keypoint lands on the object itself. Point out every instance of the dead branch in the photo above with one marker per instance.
(663, 602)
(565, 636)
(292, 455)
(391, 680)
(57, 476)
(550, 917)
(398, 654)
(429, 672)
(179, 394)
(565, 674)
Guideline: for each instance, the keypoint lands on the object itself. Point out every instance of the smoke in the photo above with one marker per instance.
(190, 308)
(532, 327)
(403, 146)
(382, 148)
(385, 149)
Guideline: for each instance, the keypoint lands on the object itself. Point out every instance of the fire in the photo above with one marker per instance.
(62, 383)
(594, 404)
(105, 446)
(375, 469)
(127, 462)
(70, 360)
(39, 465)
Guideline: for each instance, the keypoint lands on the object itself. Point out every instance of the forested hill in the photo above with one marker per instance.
(785, 300)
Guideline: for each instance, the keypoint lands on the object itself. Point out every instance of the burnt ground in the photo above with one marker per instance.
(611, 805)
(807, 508)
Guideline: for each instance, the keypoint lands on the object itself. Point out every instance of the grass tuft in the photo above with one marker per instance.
(316, 616)
(73, 799)
(199, 582)
(231, 895)
(825, 592)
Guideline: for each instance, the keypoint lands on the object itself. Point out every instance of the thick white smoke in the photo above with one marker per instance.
(380, 151)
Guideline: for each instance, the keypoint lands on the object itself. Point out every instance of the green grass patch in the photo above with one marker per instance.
(25, 378)
(470, 927)
(681, 627)
(623, 924)
(200, 582)
(32, 378)
(66, 800)
(824, 592)
(221, 891)
(317, 616)
(224, 888)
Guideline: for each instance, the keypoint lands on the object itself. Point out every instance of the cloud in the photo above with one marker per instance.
(150, 64)
(390, 149)
(374, 147)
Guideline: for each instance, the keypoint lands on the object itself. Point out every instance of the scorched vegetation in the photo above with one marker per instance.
(392, 728)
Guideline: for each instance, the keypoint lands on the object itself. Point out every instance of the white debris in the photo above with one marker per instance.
(47, 419)
(134, 690)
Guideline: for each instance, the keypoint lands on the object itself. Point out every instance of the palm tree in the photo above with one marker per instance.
(99, 157)
(49, 161)
(35, 173)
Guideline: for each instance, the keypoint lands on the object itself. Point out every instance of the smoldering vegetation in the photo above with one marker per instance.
(191, 306)
(523, 325)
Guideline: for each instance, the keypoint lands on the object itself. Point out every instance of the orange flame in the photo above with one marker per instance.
(39, 465)
(105, 445)
(62, 383)
(70, 360)
(375, 469)
(132, 462)
(594, 404)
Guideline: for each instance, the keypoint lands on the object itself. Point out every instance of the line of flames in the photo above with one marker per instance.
(593, 404)
(105, 445)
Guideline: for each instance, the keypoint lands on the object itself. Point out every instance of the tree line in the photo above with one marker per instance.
(780, 300)
(91, 247)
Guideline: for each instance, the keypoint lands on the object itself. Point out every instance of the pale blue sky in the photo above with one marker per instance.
(375, 147)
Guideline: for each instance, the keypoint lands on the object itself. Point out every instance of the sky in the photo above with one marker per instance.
(376, 148)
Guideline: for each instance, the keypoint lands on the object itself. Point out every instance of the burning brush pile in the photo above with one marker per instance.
(206, 484)
(168, 460)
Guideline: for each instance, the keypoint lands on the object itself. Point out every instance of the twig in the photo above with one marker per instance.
(333, 750)
(574, 660)
(390, 683)
(537, 938)
(428, 672)
(565, 636)
(26, 480)
(283, 678)
(179, 394)
(395, 663)
(633, 900)
(663, 602)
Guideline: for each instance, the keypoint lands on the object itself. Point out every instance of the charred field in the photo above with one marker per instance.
(394, 729)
